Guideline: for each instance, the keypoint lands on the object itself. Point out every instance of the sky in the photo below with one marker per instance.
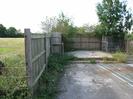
(29, 13)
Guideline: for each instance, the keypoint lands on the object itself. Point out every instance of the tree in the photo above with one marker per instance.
(64, 25)
(3, 31)
(81, 30)
(114, 18)
(48, 24)
(89, 28)
(11, 32)
(99, 30)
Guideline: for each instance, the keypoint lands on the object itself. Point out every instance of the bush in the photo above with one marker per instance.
(48, 82)
(119, 57)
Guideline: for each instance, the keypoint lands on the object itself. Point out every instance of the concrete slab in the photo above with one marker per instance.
(89, 81)
(124, 71)
(131, 65)
(90, 54)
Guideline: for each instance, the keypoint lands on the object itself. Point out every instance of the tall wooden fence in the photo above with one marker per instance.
(109, 45)
(37, 50)
(84, 42)
(129, 47)
(81, 42)
(129, 50)
(36, 57)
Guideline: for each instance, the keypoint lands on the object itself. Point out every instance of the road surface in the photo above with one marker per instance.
(90, 81)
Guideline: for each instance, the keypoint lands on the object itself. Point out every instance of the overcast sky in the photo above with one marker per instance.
(29, 13)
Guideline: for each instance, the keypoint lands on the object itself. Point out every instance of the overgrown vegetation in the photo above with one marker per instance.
(120, 57)
(115, 20)
(93, 61)
(61, 23)
(13, 78)
(65, 25)
(48, 82)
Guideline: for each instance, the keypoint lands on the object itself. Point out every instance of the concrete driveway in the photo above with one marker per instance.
(90, 81)
(90, 54)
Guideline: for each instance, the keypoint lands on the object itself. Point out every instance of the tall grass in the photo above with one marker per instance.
(120, 57)
(13, 78)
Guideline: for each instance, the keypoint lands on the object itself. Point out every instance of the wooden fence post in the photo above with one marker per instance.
(28, 56)
(45, 43)
(127, 42)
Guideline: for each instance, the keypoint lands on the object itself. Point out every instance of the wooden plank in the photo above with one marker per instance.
(28, 57)
(38, 56)
(35, 81)
(37, 36)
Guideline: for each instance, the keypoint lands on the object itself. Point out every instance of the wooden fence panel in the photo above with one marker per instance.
(129, 47)
(82, 43)
(57, 46)
(129, 50)
(37, 50)
(48, 47)
(35, 53)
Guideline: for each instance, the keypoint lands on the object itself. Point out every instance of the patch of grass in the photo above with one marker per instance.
(48, 82)
(92, 61)
(5, 50)
(13, 78)
(11, 46)
(105, 59)
(120, 57)
(108, 60)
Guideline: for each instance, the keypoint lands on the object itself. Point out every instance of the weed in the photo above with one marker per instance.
(120, 57)
(48, 82)
(92, 61)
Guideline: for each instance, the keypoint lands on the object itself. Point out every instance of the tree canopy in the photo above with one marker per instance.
(3, 31)
(114, 18)
(61, 23)
(9, 32)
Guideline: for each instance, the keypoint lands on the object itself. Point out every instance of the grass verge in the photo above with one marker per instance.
(120, 57)
(48, 82)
